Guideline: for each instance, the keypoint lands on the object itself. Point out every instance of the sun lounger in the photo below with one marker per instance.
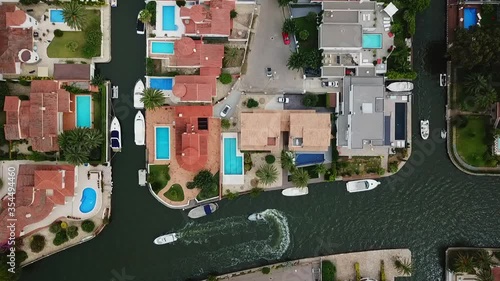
(387, 22)
(386, 18)
(387, 29)
(387, 25)
(479, 16)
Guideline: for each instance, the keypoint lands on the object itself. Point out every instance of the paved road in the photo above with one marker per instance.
(232, 100)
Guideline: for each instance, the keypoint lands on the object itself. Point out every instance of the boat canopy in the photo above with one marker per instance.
(207, 209)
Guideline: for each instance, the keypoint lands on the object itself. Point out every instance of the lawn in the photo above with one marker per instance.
(175, 193)
(58, 49)
(159, 175)
(472, 142)
(307, 23)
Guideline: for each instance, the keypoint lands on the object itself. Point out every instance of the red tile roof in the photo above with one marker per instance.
(44, 86)
(58, 184)
(15, 18)
(496, 273)
(210, 71)
(189, 52)
(194, 88)
(12, 40)
(215, 20)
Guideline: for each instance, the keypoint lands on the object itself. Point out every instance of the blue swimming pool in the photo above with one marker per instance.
(372, 41)
(168, 16)
(162, 48)
(233, 164)
(162, 143)
(309, 159)
(470, 17)
(87, 203)
(164, 83)
(56, 16)
(83, 116)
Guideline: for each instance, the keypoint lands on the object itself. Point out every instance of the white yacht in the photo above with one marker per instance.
(138, 93)
(400, 86)
(139, 128)
(361, 185)
(142, 173)
(255, 217)
(295, 191)
(140, 25)
(424, 129)
(203, 210)
(166, 239)
(116, 135)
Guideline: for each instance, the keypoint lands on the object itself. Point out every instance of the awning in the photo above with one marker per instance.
(43, 71)
(391, 9)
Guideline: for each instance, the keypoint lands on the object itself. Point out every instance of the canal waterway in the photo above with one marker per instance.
(427, 207)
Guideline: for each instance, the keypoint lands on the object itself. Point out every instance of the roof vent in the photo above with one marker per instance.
(206, 58)
(194, 50)
(42, 108)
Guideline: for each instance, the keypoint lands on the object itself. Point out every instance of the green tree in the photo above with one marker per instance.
(270, 159)
(266, 270)
(225, 78)
(74, 14)
(289, 26)
(484, 259)
(5, 274)
(320, 169)
(486, 99)
(475, 83)
(251, 103)
(283, 3)
(145, 16)
(484, 275)
(267, 174)
(287, 160)
(295, 61)
(303, 35)
(477, 46)
(403, 266)
(328, 271)
(76, 144)
(225, 124)
(312, 58)
(151, 7)
(97, 80)
(233, 14)
(88, 226)
(300, 177)
(204, 180)
(37, 243)
(310, 100)
(152, 98)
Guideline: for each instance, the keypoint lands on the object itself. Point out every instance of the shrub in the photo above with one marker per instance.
(204, 180)
(151, 7)
(251, 103)
(58, 33)
(225, 124)
(303, 35)
(37, 243)
(61, 237)
(256, 191)
(21, 256)
(72, 231)
(233, 14)
(248, 167)
(180, 3)
(230, 195)
(225, 78)
(266, 270)
(328, 271)
(93, 38)
(270, 159)
(382, 271)
(150, 66)
(72, 46)
(55, 227)
(88, 226)
(358, 273)
(392, 74)
(24, 82)
(393, 167)
(64, 225)
(310, 100)
(247, 157)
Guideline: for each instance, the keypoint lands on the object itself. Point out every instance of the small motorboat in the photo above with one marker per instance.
(442, 80)
(114, 93)
(424, 129)
(140, 24)
(142, 177)
(295, 191)
(114, 3)
(166, 239)
(116, 135)
(255, 217)
(361, 185)
(138, 93)
(443, 133)
(139, 129)
(202, 211)
(400, 86)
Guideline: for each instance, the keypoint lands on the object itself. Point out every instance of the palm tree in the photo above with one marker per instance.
(145, 16)
(464, 263)
(76, 156)
(486, 98)
(152, 98)
(484, 259)
(403, 266)
(74, 15)
(295, 61)
(230, 56)
(475, 83)
(97, 80)
(320, 169)
(267, 174)
(93, 138)
(77, 144)
(484, 275)
(287, 161)
(300, 177)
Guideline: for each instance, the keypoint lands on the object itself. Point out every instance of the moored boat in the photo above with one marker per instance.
(114, 93)
(202, 211)
(400, 86)
(295, 191)
(361, 185)
(114, 3)
(142, 173)
(442, 80)
(138, 93)
(255, 217)
(424, 129)
(443, 133)
(116, 135)
(139, 128)
(140, 24)
(166, 239)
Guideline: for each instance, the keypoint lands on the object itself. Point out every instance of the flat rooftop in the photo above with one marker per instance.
(340, 17)
(340, 36)
(349, 5)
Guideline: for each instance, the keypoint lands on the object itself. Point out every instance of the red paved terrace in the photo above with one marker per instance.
(191, 136)
(213, 19)
(37, 119)
(194, 88)
(12, 40)
(189, 52)
(39, 189)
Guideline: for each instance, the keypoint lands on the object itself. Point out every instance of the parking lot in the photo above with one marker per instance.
(268, 50)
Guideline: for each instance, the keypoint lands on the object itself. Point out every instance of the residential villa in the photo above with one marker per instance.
(16, 39)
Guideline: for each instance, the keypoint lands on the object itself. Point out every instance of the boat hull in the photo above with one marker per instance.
(361, 185)
(115, 132)
(202, 211)
(138, 93)
(166, 239)
(139, 129)
(400, 86)
(295, 191)
(424, 129)
(255, 217)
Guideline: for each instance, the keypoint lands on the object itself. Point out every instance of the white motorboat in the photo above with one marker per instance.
(116, 135)
(255, 217)
(442, 80)
(114, 94)
(114, 3)
(400, 86)
(361, 185)
(140, 24)
(166, 239)
(424, 129)
(443, 133)
(139, 128)
(142, 173)
(295, 191)
(138, 93)
(202, 211)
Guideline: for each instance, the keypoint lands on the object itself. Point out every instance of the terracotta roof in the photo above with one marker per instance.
(11, 128)
(12, 40)
(213, 21)
(189, 52)
(192, 88)
(44, 86)
(314, 129)
(184, 46)
(260, 131)
(496, 273)
(58, 184)
(11, 103)
(63, 100)
(15, 18)
(210, 71)
(73, 72)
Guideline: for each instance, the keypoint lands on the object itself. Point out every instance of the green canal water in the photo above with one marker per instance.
(427, 207)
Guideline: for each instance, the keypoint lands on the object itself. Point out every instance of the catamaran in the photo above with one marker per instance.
(400, 86)
(424, 129)
(139, 130)
(116, 135)
(202, 211)
(295, 191)
(361, 185)
(166, 239)
(138, 93)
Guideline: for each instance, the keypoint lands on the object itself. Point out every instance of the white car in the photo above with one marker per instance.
(283, 100)
(225, 111)
(330, 83)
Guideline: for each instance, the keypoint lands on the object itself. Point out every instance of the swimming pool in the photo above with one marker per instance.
(88, 200)
(309, 159)
(162, 48)
(164, 83)
(83, 118)
(233, 164)
(168, 13)
(56, 16)
(470, 17)
(162, 143)
(372, 41)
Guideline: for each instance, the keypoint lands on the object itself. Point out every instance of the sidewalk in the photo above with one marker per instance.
(106, 36)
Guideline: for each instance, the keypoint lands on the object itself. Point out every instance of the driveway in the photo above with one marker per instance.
(268, 50)
(232, 100)
(296, 103)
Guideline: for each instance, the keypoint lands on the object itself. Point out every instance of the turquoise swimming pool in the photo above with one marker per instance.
(163, 83)
(87, 203)
(372, 41)
(56, 16)
(83, 111)
(233, 164)
(162, 48)
(168, 17)
(162, 143)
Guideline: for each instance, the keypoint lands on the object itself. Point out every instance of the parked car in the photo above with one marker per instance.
(330, 83)
(283, 100)
(286, 38)
(225, 111)
(269, 72)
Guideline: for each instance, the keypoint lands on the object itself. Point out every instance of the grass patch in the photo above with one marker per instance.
(211, 193)
(175, 193)
(472, 142)
(159, 175)
(359, 166)
(57, 48)
(307, 23)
